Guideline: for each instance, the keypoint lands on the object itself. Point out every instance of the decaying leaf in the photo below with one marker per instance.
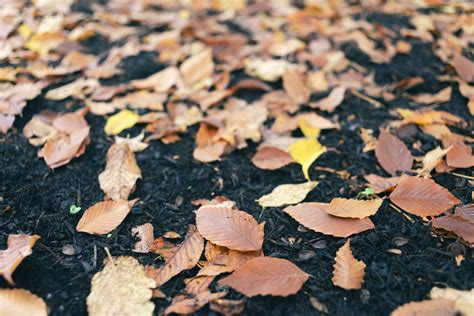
(314, 216)
(422, 197)
(190, 305)
(305, 152)
(353, 208)
(185, 257)
(121, 172)
(457, 225)
(146, 235)
(463, 300)
(286, 194)
(265, 276)
(392, 154)
(439, 307)
(21, 302)
(121, 288)
(121, 121)
(227, 307)
(226, 226)
(271, 158)
(19, 247)
(104, 216)
(348, 271)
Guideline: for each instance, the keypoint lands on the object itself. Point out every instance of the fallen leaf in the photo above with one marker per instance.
(211, 152)
(466, 211)
(457, 225)
(314, 216)
(225, 226)
(295, 87)
(392, 154)
(348, 271)
(464, 67)
(460, 156)
(105, 216)
(227, 307)
(197, 67)
(332, 101)
(271, 158)
(164, 248)
(305, 152)
(161, 81)
(61, 148)
(6, 122)
(422, 197)
(190, 305)
(381, 184)
(370, 142)
(145, 234)
(431, 160)
(443, 95)
(121, 172)
(121, 121)
(463, 300)
(265, 276)
(286, 194)
(21, 302)
(121, 288)
(73, 89)
(266, 69)
(353, 208)
(320, 307)
(185, 257)
(135, 143)
(19, 247)
(438, 307)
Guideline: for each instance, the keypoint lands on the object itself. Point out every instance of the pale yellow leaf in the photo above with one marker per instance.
(121, 121)
(305, 152)
(287, 194)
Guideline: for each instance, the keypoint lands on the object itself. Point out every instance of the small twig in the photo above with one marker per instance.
(411, 220)
(107, 251)
(359, 67)
(372, 101)
(95, 256)
(461, 175)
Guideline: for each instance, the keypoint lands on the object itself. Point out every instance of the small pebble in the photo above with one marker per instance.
(69, 250)
(321, 244)
(306, 254)
(399, 241)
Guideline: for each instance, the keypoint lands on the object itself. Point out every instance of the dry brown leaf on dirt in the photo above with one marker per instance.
(392, 154)
(286, 194)
(464, 67)
(227, 307)
(211, 152)
(197, 67)
(332, 101)
(38, 131)
(121, 288)
(271, 158)
(146, 235)
(190, 305)
(19, 247)
(460, 156)
(266, 69)
(422, 197)
(463, 300)
(21, 302)
(443, 95)
(265, 276)
(457, 225)
(370, 142)
(353, 208)
(295, 87)
(74, 89)
(438, 307)
(185, 257)
(226, 226)
(105, 216)
(465, 211)
(381, 184)
(135, 143)
(161, 81)
(431, 160)
(61, 148)
(348, 271)
(121, 172)
(6, 122)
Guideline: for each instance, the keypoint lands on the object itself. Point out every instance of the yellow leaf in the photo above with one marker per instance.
(308, 130)
(286, 194)
(305, 152)
(121, 121)
(25, 30)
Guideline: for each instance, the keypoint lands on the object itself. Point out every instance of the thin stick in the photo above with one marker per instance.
(411, 220)
(372, 101)
(109, 255)
(461, 175)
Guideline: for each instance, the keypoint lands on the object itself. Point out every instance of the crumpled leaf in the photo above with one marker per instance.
(271, 158)
(422, 197)
(265, 276)
(286, 194)
(121, 172)
(121, 288)
(146, 235)
(314, 217)
(463, 300)
(121, 121)
(332, 101)
(135, 143)
(19, 247)
(226, 226)
(392, 154)
(105, 216)
(438, 307)
(305, 152)
(21, 302)
(38, 132)
(348, 271)
(161, 81)
(185, 257)
(431, 160)
(353, 208)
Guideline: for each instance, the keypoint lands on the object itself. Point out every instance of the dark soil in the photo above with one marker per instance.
(36, 200)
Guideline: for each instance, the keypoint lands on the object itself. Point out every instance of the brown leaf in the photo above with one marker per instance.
(438, 307)
(186, 256)
(295, 87)
(353, 208)
(348, 271)
(145, 233)
(271, 158)
(190, 305)
(6, 122)
(265, 276)
(227, 307)
(197, 67)
(121, 288)
(161, 81)
(443, 95)
(464, 67)
(466, 211)
(60, 149)
(392, 154)
(225, 226)
(70, 123)
(198, 284)
(332, 101)
(105, 216)
(431, 160)
(381, 184)
(314, 216)
(21, 302)
(121, 172)
(460, 156)
(164, 248)
(422, 197)
(457, 225)
(211, 152)
(19, 247)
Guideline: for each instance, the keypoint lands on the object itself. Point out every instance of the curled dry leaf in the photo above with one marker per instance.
(190, 305)
(135, 143)
(19, 247)
(348, 271)
(332, 101)
(62, 148)
(295, 87)
(431, 160)
(314, 217)
(226, 226)
(286, 194)
(463, 300)
(197, 67)
(457, 225)
(161, 81)
(121, 288)
(121, 172)
(146, 235)
(185, 257)
(104, 217)
(265, 276)
(392, 154)
(271, 158)
(438, 307)
(21, 302)
(38, 132)
(121, 121)
(422, 197)
(353, 208)
(227, 307)
(381, 184)
(460, 156)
